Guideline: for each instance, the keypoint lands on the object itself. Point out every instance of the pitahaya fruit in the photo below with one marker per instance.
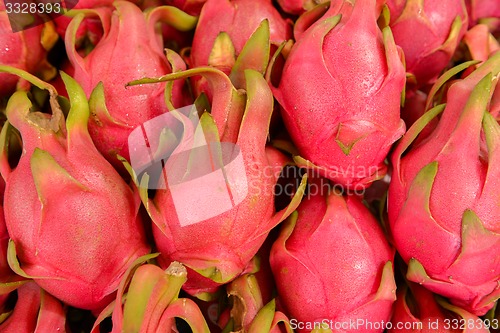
(480, 42)
(248, 312)
(9, 281)
(35, 311)
(151, 302)
(249, 294)
(343, 112)
(130, 49)
(220, 40)
(484, 12)
(333, 265)
(443, 197)
(441, 25)
(90, 27)
(26, 50)
(417, 310)
(192, 7)
(73, 222)
(217, 241)
(480, 45)
(297, 7)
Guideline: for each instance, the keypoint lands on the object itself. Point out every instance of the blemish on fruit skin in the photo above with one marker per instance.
(284, 271)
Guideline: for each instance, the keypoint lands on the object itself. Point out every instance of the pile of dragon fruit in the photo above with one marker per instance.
(250, 166)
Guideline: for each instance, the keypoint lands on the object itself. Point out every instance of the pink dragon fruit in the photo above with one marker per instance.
(248, 311)
(90, 27)
(443, 197)
(117, 110)
(73, 222)
(26, 50)
(484, 11)
(345, 123)
(220, 37)
(192, 7)
(225, 16)
(440, 25)
(249, 296)
(217, 241)
(480, 42)
(416, 310)
(151, 302)
(9, 281)
(333, 265)
(297, 7)
(35, 311)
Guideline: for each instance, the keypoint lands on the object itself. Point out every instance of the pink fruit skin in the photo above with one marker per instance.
(23, 50)
(483, 9)
(340, 92)
(5, 272)
(90, 27)
(239, 19)
(417, 311)
(192, 7)
(297, 7)
(227, 241)
(429, 51)
(217, 249)
(127, 51)
(73, 220)
(423, 304)
(332, 261)
(35, 311)
(414, 108)
(443, 197)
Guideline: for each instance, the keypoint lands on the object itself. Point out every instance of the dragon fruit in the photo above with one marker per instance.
(26, 50)
(485, 12)
(35, 311)
(417, 310)
(73, 222)
(152, 301)
(345, 123)
(248, 312)
(443, 197)
(9, 281)
(297, 7)
(440, 25)
(252, 308)
(480, 42)
(217, 242)
(333, 265)
(115, 109)
(90, 27)
(220, 38)
(225, 17)
(192, 7)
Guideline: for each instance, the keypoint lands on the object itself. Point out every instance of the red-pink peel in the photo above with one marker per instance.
(340, 92)
(130, 49)
(73, 221)
(332, 264)
(443, 197)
